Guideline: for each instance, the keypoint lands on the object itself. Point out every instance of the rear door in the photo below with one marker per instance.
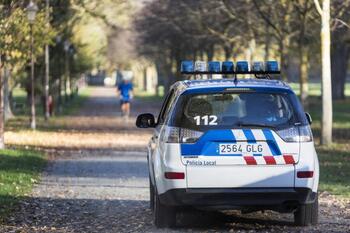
(155, 140)
(240, 145)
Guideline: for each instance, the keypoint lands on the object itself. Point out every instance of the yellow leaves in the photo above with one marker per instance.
(16, 54)
(15, 35)
(8, 39)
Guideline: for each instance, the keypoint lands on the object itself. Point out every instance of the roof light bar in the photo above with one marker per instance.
(228, 67)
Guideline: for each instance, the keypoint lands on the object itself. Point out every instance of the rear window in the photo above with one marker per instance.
(228, 110)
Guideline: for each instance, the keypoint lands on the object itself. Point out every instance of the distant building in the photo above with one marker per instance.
(96, 79)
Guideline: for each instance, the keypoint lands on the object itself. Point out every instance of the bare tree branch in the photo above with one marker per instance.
(267, 19)
(318, 7)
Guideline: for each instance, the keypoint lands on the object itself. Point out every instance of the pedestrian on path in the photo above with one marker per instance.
(125, 89)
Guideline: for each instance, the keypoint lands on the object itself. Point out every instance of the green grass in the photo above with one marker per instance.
(21, 120)
(335, 169)
(69, 105)
(315, 89)
(19, 170)
(341, 113)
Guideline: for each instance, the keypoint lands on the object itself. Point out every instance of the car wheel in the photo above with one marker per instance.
(151, 195)
(307, 214)
(163, 216)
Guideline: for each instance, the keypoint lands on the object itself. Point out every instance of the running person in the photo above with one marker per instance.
(125, 92)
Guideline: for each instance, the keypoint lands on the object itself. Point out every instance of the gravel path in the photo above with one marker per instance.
(107, 191)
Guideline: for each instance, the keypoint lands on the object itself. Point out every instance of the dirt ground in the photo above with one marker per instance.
(97, 181)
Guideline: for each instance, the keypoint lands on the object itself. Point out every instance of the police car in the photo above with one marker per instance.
(231, 143)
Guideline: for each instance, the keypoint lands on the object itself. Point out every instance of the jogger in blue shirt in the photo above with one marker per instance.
(125, 92)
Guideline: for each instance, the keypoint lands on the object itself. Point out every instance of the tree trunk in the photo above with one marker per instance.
(159, 78)
(46, 84)
(2, 119)
(228, 51)
(169, 76)
(267, 42)
(250, 51)
(66, 77)
(283, 48)
(304, 73)
(327, 108)
(7, 106)
(32, 82)
(194, 54)
(59, 94)
(340, 58)
(47, 68)
(144, 79)
(210, 52)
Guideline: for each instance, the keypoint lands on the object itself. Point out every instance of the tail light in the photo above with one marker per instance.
(296, 134)
(305, 174)
(174, 175)
(180, 135)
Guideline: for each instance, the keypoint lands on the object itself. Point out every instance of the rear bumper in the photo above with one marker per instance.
(226, 198)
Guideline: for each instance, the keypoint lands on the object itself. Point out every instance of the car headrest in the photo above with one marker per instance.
(197, 106)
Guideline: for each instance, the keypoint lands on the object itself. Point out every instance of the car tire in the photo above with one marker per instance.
(151, 195)
(307, 214)
(163, 216)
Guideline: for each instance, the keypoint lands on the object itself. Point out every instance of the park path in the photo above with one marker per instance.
(106, 189)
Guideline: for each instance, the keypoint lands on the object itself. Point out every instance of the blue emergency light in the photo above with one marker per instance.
(271, 66)
(257, 66)
(242, 66)
(227, 66)
(214, 66)
(187, 66)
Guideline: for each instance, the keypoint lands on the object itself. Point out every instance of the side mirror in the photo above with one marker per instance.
(145, 120)
(308, 117)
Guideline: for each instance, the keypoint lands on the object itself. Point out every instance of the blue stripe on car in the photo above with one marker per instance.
(249, 136)
(271, 142)
(203, 145)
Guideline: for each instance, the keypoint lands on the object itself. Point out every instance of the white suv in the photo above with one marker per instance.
(228, 144)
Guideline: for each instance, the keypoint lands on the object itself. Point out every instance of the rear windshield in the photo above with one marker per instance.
(228, 110)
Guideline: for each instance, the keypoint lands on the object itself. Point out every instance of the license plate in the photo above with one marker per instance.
(241, 148)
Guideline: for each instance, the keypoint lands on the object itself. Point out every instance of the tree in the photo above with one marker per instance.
(327, 109)
(340, 46)
(304, 10)
(279, 17)
(14, 44)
